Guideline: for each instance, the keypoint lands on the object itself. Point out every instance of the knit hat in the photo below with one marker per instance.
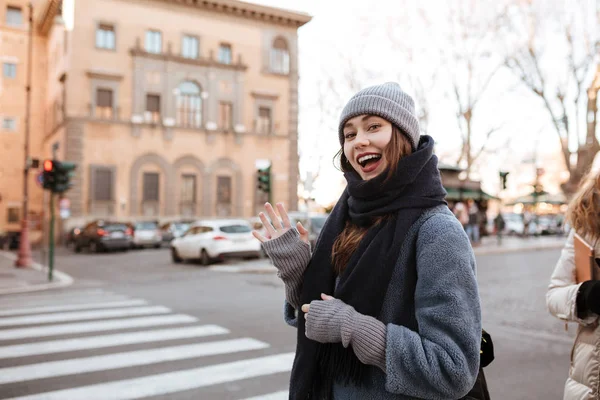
(387, 101)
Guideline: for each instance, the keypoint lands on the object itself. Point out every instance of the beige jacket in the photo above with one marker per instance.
(584, 374)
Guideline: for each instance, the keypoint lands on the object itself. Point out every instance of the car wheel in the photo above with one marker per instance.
(94, 247)
(77, 248)
(157, 246)
(175, 256)
(204, 258)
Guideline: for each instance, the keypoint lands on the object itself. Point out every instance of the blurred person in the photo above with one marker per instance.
(499, 226)
(473, 224)
(367, 327)
(580, 302)
(460, 211)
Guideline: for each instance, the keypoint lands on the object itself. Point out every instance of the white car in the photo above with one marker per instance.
(215, 239)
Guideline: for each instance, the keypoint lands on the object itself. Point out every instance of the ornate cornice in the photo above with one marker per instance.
(247, 10)
(48, 14)
(205, 62)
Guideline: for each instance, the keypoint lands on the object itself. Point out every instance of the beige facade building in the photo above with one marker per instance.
(164, 105)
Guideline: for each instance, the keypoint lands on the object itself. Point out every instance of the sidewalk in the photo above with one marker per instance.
(513, 244)
(22, 280)
(488, 245)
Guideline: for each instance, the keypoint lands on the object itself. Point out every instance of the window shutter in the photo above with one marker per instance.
(103, 184)
(150, 186)
(104, 98)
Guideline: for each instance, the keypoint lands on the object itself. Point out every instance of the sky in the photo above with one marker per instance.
(346, 33)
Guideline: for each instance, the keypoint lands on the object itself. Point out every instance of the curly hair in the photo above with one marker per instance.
(348, 240)
(584, 209)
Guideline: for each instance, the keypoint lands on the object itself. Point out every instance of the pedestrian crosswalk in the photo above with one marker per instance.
(94, 344)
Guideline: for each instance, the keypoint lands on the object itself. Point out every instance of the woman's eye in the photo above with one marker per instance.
(349, 135)
(374, 126)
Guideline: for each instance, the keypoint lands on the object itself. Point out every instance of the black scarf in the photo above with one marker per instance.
(415, 187)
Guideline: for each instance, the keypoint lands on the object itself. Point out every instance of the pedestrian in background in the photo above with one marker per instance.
(499, 225)
(367, 327)
(580, 302)
(474, 219)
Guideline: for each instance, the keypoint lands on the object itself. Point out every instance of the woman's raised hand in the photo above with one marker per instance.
(277, 227)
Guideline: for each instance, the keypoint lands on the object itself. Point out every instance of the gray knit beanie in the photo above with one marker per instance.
(387, 101)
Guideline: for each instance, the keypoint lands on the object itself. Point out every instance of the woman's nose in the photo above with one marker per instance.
(361, 140)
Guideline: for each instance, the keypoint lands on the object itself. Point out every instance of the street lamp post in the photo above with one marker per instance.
(24, 256)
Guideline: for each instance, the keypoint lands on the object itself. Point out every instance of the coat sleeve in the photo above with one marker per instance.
(561, 297)
(441, 360)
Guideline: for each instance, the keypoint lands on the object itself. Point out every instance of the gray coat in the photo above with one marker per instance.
(436, 354)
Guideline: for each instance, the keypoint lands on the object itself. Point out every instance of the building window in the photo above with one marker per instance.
(104, 103)
(9, 70)
(154, 42)
(189, 47)
(189, 105)
(188, 195)
(224, 196)
(105, 37)
(225, 115)
(9, 124)
(103, 184)
(280, 57)
(153, 108)
(151, 185)
(225, 54)
(14, 16)
(264, 120)
(13, 215)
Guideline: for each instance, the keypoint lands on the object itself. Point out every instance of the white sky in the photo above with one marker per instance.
(336, 32)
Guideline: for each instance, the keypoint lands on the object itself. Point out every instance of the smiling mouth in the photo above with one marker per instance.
(370, 159)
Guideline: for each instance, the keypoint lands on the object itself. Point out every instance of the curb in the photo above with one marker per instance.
(500, 250)
(61, 279)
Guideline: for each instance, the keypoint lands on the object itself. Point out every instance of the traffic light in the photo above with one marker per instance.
(503, 176)
(57, 175)
(264, 179)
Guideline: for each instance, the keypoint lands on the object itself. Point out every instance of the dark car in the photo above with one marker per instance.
(173, 230)
(71, 236)
(102, 235)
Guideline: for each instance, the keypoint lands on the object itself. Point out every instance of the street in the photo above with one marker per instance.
(154, 329)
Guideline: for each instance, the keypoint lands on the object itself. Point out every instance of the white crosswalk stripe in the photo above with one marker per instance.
(89, 333)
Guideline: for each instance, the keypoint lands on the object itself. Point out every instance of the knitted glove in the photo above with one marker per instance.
(333, 321)
(588, 298)
(290, 256)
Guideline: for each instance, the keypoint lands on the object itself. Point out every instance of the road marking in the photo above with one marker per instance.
(119, 339)
(49, 296)
(172, 382)
(53, 369)
(96, 326)
(72, 307)
(283, 395)
(83, 315)
(9, 305)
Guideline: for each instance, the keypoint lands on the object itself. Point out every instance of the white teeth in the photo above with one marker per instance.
(368, 157)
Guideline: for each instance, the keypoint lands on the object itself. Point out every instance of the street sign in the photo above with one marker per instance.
(64, 206)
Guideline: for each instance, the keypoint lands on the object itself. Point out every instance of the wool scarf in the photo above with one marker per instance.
(414, 187)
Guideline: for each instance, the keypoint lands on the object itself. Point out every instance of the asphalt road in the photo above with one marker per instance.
(227, 323)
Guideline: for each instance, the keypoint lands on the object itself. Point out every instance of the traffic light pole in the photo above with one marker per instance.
(51, 239)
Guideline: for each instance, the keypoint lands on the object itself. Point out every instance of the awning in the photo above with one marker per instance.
(463, 194)
(543, 197)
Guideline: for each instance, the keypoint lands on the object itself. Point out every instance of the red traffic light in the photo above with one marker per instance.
(48, 165)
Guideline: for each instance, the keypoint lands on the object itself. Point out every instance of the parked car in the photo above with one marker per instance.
(71, 236)
(173, 230)
(513, 224)
(102, 235)
(548, 225)
(146, 234)
(312, 222)
(216, 239)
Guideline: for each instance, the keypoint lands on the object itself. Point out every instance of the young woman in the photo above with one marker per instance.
(580, 302)
(387, 305)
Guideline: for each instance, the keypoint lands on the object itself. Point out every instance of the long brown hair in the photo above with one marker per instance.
(584, 209)
(348, 240)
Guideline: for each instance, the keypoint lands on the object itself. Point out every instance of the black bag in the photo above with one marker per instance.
(486, 356)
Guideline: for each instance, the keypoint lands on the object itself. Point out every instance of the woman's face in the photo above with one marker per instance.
(365, 137)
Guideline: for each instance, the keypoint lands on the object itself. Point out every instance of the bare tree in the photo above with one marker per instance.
(465, 64)
(546, 43)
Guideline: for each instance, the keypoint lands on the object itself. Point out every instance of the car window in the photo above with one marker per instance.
(145, 225)
(235, 228)
(115, 227)
(205, 229)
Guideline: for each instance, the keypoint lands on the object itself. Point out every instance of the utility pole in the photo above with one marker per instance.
(24, 256)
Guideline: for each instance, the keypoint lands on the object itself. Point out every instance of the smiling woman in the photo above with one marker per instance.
(367, 327)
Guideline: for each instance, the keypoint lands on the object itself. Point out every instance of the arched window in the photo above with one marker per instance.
(189, 105)
(280, 56)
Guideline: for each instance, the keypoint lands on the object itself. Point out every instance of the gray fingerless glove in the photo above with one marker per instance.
(290, 256)
(333, 321)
